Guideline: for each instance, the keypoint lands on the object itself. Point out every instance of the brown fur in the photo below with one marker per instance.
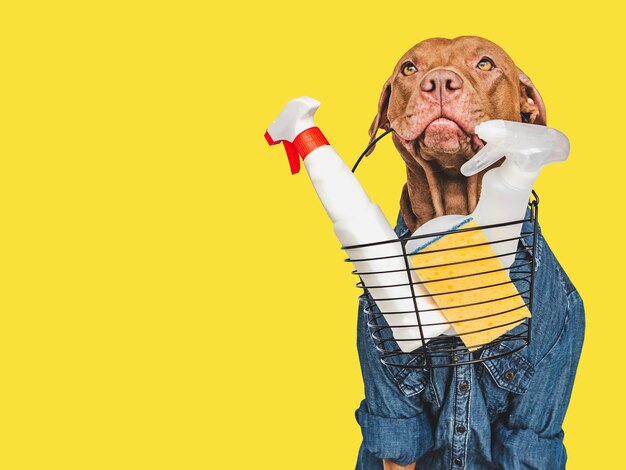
(448, 84)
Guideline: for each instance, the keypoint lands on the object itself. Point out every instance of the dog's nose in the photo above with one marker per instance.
(441, 83)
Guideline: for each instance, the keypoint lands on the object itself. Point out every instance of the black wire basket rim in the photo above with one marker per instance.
(440, 233)
(418, 253)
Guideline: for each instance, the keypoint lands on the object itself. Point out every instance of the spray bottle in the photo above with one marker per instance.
(357, 221)
(527, 148)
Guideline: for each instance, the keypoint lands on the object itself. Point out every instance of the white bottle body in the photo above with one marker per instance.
(501, 202)
(357, 220)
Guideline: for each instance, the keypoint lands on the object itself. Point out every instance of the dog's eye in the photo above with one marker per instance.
(485, 64)
(408, 69)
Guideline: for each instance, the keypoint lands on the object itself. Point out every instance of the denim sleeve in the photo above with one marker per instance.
(394, 426)
(530, 434)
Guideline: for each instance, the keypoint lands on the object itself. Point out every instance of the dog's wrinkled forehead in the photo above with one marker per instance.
(460, 51)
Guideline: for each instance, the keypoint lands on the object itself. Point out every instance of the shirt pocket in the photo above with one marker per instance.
(503, 373)
(415, 381)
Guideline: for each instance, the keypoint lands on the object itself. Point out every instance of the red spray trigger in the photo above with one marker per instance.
(304, 143)
(292, 153)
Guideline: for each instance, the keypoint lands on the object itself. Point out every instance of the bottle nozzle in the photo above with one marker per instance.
(529, 146)
(295, 128)
(295, 117)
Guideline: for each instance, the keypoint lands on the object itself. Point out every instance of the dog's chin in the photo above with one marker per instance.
(444, 140)
(445, 136)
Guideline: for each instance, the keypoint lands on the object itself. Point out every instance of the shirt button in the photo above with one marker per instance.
(460, 429)
(458, 462)
(463, 386)
(509, 374)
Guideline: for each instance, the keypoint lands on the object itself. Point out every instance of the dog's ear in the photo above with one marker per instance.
(380, 121)
(532, 108)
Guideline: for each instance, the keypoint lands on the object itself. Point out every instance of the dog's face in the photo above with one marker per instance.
(442, 88)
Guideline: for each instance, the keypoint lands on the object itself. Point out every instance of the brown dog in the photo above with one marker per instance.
(437, 94)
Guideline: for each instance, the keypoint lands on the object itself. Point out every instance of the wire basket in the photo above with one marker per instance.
(447, 350)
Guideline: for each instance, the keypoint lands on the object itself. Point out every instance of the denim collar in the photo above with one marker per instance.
(401, 228)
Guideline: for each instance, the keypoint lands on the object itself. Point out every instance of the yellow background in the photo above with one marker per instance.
(173, 299)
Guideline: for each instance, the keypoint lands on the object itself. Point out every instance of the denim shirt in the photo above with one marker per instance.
(504, 413)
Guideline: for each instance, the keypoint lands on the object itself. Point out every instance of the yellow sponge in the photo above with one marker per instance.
(479, 315)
